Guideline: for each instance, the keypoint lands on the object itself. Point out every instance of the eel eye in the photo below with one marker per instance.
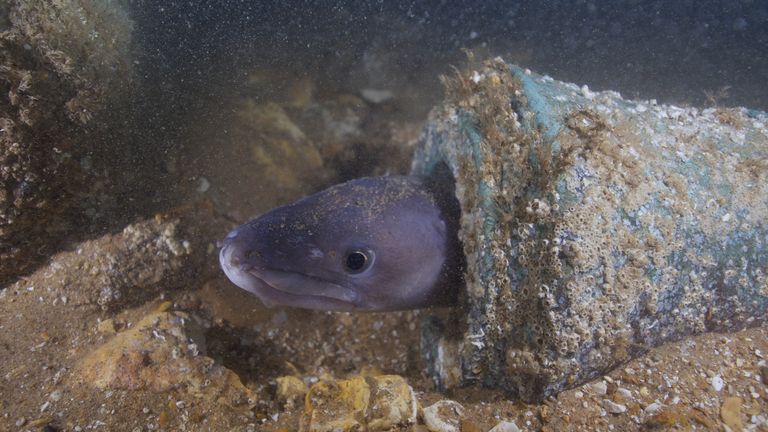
(356, 261)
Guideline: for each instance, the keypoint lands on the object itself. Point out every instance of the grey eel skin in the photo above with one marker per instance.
(371, 244)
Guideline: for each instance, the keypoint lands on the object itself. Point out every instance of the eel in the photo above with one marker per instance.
(370, 244)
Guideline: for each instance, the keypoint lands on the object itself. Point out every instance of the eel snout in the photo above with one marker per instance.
(246, 266)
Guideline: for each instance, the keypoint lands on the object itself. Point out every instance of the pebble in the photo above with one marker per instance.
(505, 426)
(443, 416)
(613, 408)
(20, 422)
(652, 408)
(717, 382)
(107, 326)
(203, 185)
(55, 395)
(600, 388)
(624, 393)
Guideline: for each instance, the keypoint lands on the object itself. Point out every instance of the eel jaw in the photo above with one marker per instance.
(284, 288)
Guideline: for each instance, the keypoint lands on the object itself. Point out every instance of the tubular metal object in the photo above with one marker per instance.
(594, 227)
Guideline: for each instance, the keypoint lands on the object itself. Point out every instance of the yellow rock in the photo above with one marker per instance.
(394, 403)
(372, 403)
(289, 389)
(107, 326)
(155, 354)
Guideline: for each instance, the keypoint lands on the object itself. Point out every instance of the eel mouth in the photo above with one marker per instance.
(287, 288)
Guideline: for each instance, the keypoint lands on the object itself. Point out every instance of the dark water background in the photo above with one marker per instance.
(686, 52)
(670, 50)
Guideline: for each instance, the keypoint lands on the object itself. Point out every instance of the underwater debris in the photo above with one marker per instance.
(594, 227)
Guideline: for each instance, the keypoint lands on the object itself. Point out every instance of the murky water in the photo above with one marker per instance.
(134, 134)
(199, 63)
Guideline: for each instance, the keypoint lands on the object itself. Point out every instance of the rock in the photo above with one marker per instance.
(123, 269)
(600, 388)
(282, 155)
(443, 416)
(373, 403)
(626, 394)
(652, 408)
(162, 352)
(394, 403)
(730, 412)
(717, 383)
(107, 326)
(56, 395)
(614, 408)
(505, 426)
(289, 390)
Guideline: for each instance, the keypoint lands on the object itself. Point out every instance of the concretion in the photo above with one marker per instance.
(593, 227)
